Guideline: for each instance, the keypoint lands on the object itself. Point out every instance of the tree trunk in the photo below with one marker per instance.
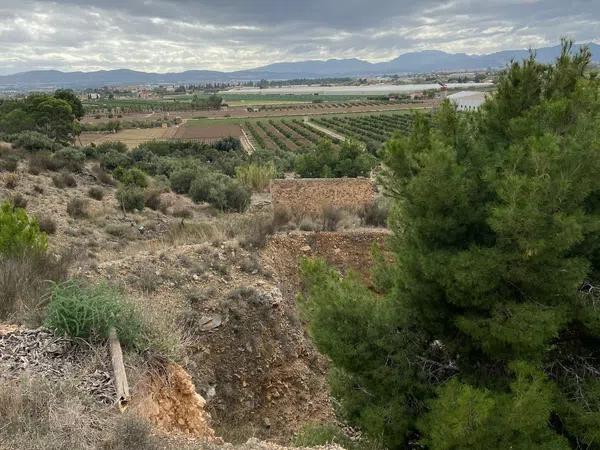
(116, 356)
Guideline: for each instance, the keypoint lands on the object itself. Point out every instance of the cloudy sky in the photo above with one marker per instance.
(175, 35)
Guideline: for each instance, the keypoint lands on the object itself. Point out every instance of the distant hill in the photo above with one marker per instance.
(414, 62)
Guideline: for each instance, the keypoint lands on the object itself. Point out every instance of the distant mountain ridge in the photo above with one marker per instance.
(413, 62)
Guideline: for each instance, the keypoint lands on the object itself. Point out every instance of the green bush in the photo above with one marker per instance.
(114, 158)
(131, 177)
(70, 158)
(88, 311)
(256, 177)
(18, 232)
(237, 196)
(9, 163)
(181, 180)
(220, 191)
(131, 198)
(326, 161)
(33, 141)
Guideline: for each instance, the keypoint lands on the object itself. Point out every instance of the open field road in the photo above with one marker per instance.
(327, 131)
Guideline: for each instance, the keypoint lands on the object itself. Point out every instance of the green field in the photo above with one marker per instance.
(293, 134)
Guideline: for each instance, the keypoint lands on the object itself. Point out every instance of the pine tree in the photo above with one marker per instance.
(487, 330)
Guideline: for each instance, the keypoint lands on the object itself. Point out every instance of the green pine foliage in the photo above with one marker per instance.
(19, 233)
(485, 333)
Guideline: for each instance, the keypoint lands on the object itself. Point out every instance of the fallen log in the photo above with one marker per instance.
(120, 377)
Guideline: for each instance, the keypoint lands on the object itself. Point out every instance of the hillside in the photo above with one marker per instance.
(220, 301)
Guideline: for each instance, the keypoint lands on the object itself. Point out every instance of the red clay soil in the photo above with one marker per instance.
(345, 250)
(170, 402)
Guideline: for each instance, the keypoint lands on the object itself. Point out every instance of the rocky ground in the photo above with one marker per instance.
(225, 310)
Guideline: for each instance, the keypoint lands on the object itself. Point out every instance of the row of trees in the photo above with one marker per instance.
(484, 332)
(211, 102)
(52, 115)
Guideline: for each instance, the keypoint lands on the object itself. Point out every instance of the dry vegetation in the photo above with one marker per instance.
(202, 280)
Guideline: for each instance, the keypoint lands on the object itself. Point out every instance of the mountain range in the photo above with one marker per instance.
(408, 63)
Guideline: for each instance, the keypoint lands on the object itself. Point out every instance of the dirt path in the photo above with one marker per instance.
(327, 131)
(246, 142)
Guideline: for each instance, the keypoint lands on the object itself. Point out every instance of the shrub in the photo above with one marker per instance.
(152, 199)
(131, 177)
(46, 224)
(25, 280)
(9, 164)
(70, 158)
(102, 175)
(114, 158)
(257, 231)
(331, 217)
(220, 191)
(281, 216)
(256, 177)
(18, 232)
(38, 162)
(69, 180)
(33, 141)
(11, 181)
(181, 180)
(63, 180)
(374, 214)
(58, 181)
(122, 231)
(96, 193)
(237, 197)
(88, 311)
(18, 201)
(77, 208)
(131, 198)
(307, 224)
(183, 213)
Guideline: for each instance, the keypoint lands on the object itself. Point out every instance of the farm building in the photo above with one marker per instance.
(467, 100)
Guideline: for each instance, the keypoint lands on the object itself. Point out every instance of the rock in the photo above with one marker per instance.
(267, 422)
(208, 323)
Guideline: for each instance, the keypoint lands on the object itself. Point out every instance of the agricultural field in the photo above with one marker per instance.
(130, 137)
(294, 134)
(289, 134)
(373, 130)
(191, 132)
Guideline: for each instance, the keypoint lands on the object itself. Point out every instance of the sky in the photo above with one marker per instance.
(177, 35)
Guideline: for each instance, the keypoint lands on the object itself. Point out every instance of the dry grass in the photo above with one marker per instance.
(41, 415)
(77, 208)
(11, 181)
(47, 224)
(25, 282)
(18, 201)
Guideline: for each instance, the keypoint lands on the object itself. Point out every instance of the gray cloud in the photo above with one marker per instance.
(172, 35)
